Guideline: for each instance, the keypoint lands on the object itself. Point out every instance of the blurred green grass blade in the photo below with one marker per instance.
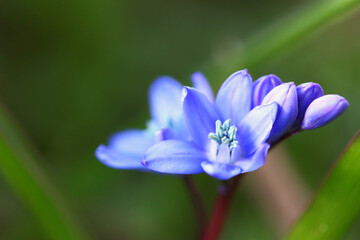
(284, 34)
(18, 167)
(337, 204)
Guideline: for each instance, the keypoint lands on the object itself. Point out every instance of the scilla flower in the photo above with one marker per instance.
(302, 107)
(126, 149)
(227, 137)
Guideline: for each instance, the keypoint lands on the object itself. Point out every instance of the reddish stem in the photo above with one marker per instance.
(221, 208)
(197, 203)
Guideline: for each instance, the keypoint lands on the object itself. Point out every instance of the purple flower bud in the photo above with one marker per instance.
(323, 110)
(263, 86)
(286, 97)
(306, 92)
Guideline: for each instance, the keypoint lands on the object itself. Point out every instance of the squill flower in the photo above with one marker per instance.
(227, 138)
(301, 108)
(127, 148)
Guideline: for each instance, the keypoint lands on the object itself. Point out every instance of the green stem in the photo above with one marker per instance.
(20, 170)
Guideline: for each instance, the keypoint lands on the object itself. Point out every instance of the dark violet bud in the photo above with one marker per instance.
(324, 110)
(306, 92)
(286, 97)
(263, 86)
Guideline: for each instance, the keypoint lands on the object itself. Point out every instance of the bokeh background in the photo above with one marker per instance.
(74, 72)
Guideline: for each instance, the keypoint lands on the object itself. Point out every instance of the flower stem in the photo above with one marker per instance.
(197, 203)
(221, 208)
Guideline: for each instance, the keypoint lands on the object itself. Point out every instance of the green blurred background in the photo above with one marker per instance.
(74, 72)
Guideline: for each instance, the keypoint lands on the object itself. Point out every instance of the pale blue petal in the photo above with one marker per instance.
(125, 150)
(199, 116)
(200, 82)
(235, 96)
(165, 101)
(174, 157)
(164, 134)
(255, 128)
(306, 92)
(323, 110)
(255, 161)
(221, 171)
(285, 95)
(223, 155)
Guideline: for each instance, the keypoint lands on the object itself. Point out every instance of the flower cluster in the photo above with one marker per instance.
(192, 132)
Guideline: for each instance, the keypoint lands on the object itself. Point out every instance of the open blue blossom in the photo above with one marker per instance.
(227, 137)
(126, 149)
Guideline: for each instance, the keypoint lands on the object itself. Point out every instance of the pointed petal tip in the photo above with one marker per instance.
(243, 72)
(197, 74)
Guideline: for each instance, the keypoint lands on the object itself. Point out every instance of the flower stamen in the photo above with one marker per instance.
(225, 134)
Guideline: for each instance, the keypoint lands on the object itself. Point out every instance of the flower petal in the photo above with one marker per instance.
(164, 134)
(221, 171)
(306, 92)
(255, 161)
(223, 155)
(199, 115)
(200, 82)
(174, 157)
(285, 95)
(235, 96)
(165, 101)
(125, 150)
(262, 87)
(324, 110)
(255, 128)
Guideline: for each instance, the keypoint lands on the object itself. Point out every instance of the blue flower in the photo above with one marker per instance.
(227, 137)
(301, 108)
(126, 149)
(192, 132)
